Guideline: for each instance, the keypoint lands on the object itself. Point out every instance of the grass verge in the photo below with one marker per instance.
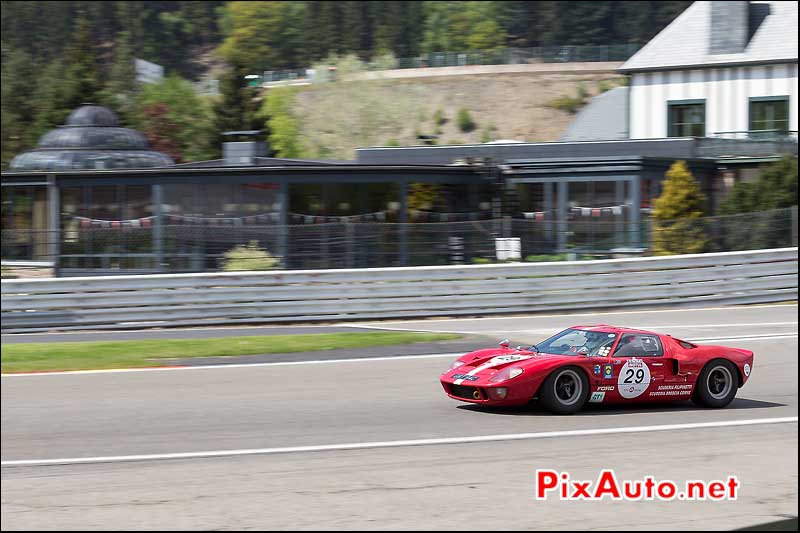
(35, 357)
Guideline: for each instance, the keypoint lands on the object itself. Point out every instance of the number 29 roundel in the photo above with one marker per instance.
(634, 378)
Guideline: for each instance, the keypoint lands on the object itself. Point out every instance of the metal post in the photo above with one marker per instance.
(402, 218)
(561, 216)
(794, 225)
(636, 211)
(506, 227)
(548, 211)
(54, 222)
(158, 226)
(349, 234)
(283, 224)
(619, 229)
(325, 240)
(473, 196)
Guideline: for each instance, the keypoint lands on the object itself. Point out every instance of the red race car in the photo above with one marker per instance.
(599, 364)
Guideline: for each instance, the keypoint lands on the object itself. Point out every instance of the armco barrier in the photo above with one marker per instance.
(328, 295)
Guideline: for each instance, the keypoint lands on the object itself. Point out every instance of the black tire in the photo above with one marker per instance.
(565, 391)
(717, 384)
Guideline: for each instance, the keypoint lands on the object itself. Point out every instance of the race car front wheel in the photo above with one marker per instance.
(565, 391)
(717, 384)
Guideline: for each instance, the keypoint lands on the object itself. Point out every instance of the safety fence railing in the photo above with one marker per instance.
(167, 300)
(202, 246)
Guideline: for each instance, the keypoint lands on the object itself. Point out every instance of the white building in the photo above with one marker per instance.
(720, 69)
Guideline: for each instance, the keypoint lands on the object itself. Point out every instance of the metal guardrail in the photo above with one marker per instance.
(165, 300)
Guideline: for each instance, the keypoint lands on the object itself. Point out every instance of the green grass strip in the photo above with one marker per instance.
(131, 354)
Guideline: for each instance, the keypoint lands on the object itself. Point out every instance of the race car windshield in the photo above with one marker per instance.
(579, 342)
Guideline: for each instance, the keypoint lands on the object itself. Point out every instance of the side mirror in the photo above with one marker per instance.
(504, 343)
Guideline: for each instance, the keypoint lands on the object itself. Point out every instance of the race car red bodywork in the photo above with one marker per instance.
(599, 364)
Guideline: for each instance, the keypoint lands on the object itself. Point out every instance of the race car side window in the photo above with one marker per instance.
(639, 345)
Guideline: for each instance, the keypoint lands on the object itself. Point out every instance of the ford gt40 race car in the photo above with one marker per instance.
(599, 364)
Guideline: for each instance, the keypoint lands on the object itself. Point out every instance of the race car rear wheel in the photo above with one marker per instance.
(565, 391)
(717, 384)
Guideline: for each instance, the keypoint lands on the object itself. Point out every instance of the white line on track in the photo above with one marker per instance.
(328, 361)
(235, 365)
(396, 443)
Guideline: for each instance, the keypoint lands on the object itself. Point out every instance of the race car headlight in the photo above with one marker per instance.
(497, 393)
(455, 364)
(506, 373)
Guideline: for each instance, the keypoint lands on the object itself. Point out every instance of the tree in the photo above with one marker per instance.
(18, 73)
(276, 111)
(170, 110)
(264, 35)
(235, 109)
(521, 20)
(486, 35)
(67, 84)
(50, 98)
(82, 76)
(397, 27)
(677, 213)
(157, 125)
(120, 89)
(455, 26)
(755, 212)
(775, 188)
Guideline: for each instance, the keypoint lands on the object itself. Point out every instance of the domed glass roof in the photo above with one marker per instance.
(92, 115)
(91, 139)
(94, 137)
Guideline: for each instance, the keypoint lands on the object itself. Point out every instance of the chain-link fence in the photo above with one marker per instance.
(201, 247)
(514, 56)
(747, 231)
(499, 56)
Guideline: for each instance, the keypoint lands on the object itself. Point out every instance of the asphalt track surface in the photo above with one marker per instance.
(395, 452)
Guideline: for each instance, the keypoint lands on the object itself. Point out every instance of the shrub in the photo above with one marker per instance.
(677, 213)
(438, 118)
(583, 92)
(567, 103)
(465, 122)
(775, 188)
(543, 258)
(605, 86)
(249, 257)
(571, 104)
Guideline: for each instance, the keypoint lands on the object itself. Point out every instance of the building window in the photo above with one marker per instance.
(769, 115)
(687, 118)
